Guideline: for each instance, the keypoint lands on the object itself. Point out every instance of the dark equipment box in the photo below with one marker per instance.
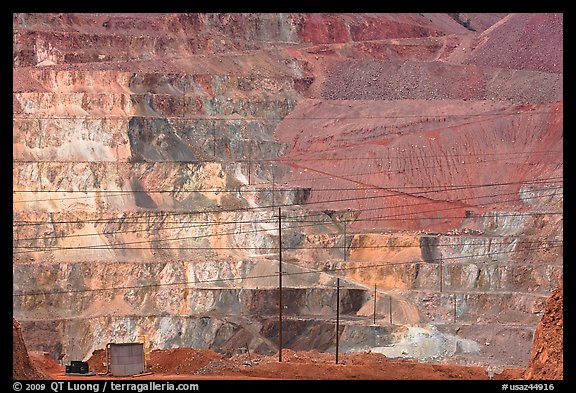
(77, 367)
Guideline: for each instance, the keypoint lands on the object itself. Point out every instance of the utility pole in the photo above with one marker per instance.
(374, 303)
(183, 113)
(214, 142)
(39, 175)
(273, 188)
(344, 248)
(441, 274)
(249, 164)
(280, 306)
(337, 315)
(454, 301)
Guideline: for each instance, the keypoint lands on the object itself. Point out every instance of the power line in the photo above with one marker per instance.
(60, 248)
(345, 177)
(324, 174)
(300, 158)
(388, 217)
(253, 248)
(452, 187)
(212, 224)
(152, 214)
(435, 202)
(382, 218)
(296, 188)
(283, 159)
(242, 189)
(299, 219)
(31, 116)
(326, 271)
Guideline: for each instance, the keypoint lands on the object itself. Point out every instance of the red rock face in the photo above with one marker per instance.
(547, 358)
(408, 155)
(22, 367)
(340, 28)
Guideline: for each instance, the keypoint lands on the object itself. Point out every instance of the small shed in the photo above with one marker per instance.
(125, 359)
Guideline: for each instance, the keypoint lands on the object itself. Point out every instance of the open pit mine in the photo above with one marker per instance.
(206, 180)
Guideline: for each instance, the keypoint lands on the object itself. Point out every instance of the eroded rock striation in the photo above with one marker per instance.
(417, 157)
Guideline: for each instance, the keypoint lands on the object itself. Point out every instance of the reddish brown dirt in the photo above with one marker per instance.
(378, 79)
(98, 361)
(400, 148)
(170, 361)
(23, 81)
(204, 364)
(22, 366)
(546, 360)
(330, 28)
(522, 42)
(45, 363)
(181, 360)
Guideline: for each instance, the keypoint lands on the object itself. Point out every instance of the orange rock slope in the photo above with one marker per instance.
(547, 360)
(22, 366)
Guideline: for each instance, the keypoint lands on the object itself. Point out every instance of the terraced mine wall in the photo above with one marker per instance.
(153, 155)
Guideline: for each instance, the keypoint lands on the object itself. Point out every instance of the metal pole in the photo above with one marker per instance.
(390, 308)
(441, 275)
(183, 113)
(273, 188)
(250, 164)
(107, 361)
(248, 350)
(374, 304)
(40, 175)
(344, 247)
(337, 315)
(214, 142)
(280, 284)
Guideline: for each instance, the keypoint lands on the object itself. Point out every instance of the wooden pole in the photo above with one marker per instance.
(183, 113)
(390, 308)
(214, 142)
(250, 164)
(441, 277)
(337, 315)
(344, 247)
(273, 189)
(280, 306)
(374, 304)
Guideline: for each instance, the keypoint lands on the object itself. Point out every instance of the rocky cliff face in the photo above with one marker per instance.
(152, 153)
(547, 356)
(22, 366)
